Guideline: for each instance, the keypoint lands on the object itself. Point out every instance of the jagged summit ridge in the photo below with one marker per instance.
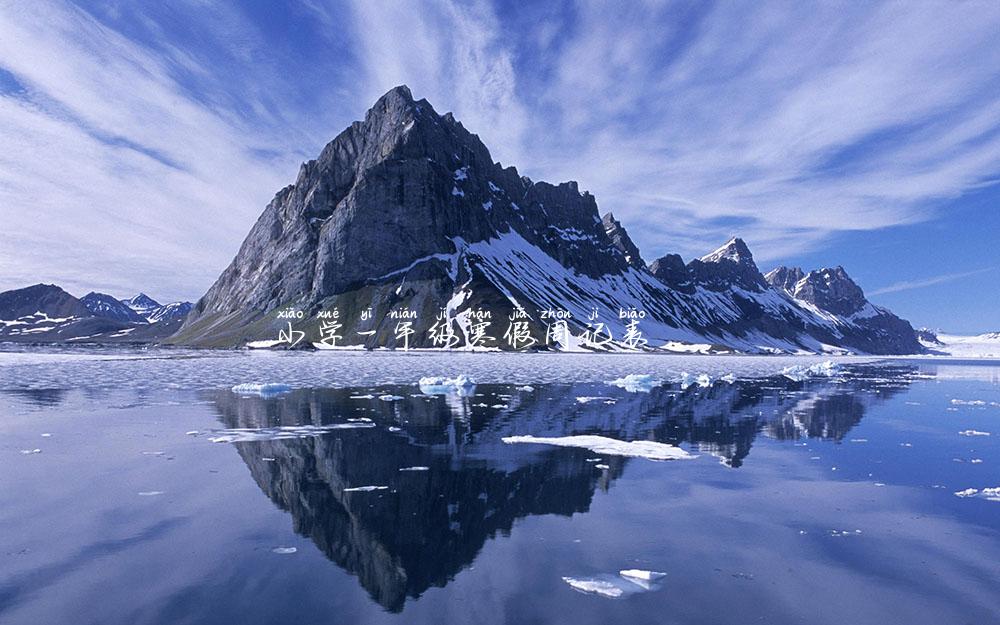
(406, 211)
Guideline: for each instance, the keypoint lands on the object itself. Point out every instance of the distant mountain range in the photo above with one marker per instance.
(407, 230)
(45, 313)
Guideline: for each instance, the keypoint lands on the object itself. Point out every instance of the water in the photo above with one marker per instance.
(828, 500)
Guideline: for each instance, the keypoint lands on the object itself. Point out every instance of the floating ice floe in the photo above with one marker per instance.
(687, 379)
(284, 550)
(459, 385)
(393, 428)
(627, 582)
(28, 452)
(264, 390)
(609, 446)
(415, 469)
(842, 533)
(988, 493)
(798, 373)
(46, 435)
(526, 389)
(388, 397)
(243, 435)
(150, 493)
(968, 402)
(973, 433)
(364, 489)
(587, 400)
(361, 397)
(192, 433)
(642, 577)
(601, 466)
(593, 586)
(637, 383)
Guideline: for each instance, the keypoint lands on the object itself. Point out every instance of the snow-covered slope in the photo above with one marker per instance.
(979, 346)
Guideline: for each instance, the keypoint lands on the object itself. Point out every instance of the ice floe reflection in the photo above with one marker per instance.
(405, 493)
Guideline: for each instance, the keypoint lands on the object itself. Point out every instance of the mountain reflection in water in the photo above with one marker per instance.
(429, 524)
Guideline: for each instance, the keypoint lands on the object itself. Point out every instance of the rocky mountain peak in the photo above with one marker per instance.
(735, 249)
(784, 278)
(47, 299)
(620, 239)
(831, 290)
(104, 305)
(730, 265)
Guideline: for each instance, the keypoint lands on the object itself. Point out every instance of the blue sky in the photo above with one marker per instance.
(141, 140)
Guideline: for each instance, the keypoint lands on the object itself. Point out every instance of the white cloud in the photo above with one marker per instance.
(132, 163)
(907, 285)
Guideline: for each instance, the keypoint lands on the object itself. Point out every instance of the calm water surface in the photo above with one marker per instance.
(153, 499)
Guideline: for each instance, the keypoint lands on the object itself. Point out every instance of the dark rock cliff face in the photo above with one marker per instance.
(620, 239)
(672, 271)
(405, 218)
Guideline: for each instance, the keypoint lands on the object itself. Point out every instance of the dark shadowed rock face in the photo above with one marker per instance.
(784, 278)
(831, 290)
(672, 271)
(730, 265)
(620, 239)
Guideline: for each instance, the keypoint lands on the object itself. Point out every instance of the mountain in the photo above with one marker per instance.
(103, 305)
(960, 346)
(620, 239)
(170, 312)
(142, 304)
(45, 313)
(404, 217)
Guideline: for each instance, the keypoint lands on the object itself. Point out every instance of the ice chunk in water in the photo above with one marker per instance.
(587, 400)
(798, 373)
(973, 433)
(460, 385)
(703, 380)
(28, 452)
(268, 389)
(526, 389)
(150, 493)
(595, 586)
(968, 492)
(364, 489)
(388, 397)
(415, 469)
(636, 382)
(642, 574)
(284, 550)
(609, 446)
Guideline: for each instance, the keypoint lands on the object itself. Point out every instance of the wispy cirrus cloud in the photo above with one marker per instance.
(907, 285)
(140, 143)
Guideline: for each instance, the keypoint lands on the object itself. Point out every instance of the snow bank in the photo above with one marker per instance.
(268, 389)
(609, 446)
(461, 385)
(243, 435)
(636, 382)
